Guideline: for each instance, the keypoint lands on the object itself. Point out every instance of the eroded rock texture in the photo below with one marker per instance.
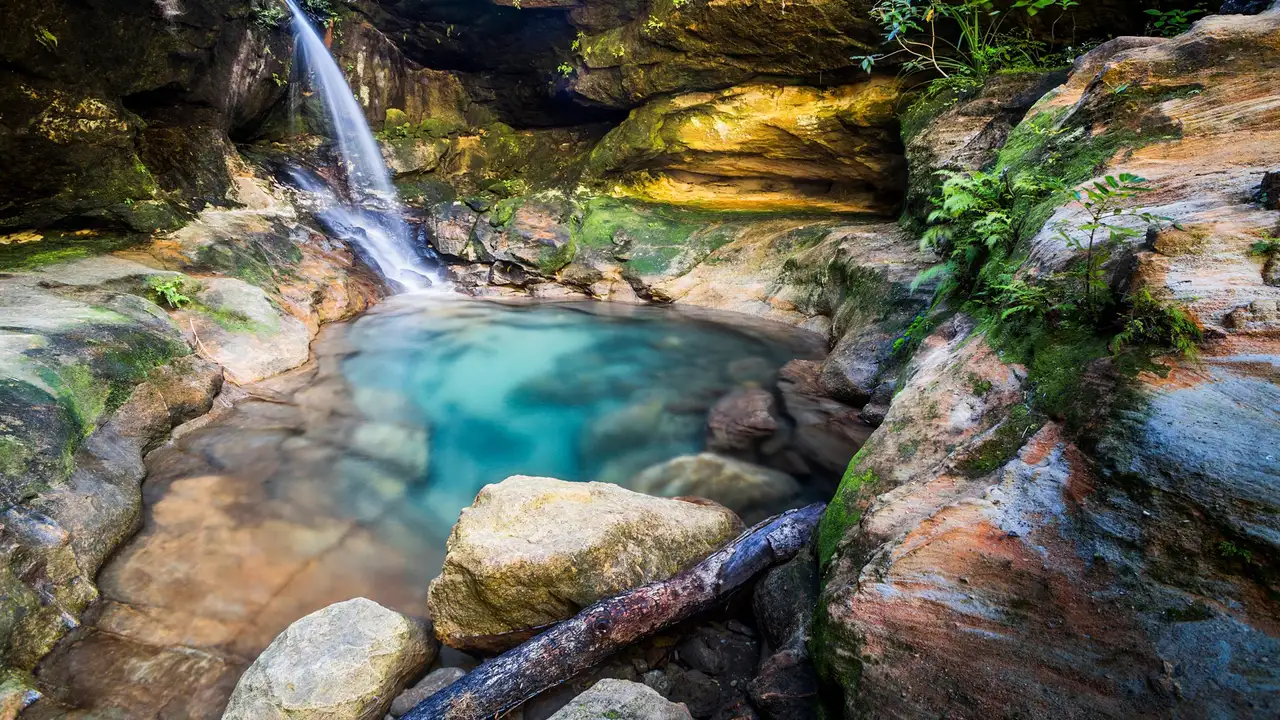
(980, 562)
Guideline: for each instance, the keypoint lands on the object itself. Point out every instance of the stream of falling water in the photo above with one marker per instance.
(371, 212)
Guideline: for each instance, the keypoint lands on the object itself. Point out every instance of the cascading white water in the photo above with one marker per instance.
(372, 209)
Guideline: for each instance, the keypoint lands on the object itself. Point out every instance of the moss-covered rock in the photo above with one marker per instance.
(95, 95)
(679, 47)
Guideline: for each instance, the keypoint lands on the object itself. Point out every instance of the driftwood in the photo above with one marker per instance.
(557, 655)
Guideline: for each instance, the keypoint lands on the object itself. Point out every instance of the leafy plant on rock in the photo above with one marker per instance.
(1169, 23)
(268, 14)
(975, 227)
(170, 291)
(1099, 238)
(971, 43)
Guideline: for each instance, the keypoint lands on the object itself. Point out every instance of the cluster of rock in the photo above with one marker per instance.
(1088, 567)
(531, 552)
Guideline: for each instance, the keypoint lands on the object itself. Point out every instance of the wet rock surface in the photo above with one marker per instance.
(751, 491)
(1050, 557)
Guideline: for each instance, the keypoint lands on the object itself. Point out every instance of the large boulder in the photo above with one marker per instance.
(621, 700)
(344, 662)
(761, 146)
(533, 551)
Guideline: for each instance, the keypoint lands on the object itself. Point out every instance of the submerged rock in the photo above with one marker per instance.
(741, 420)
(533, 551)
(346, 661)
(621, 700)
(752, 491)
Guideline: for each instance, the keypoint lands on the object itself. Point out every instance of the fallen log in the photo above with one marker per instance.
(591, 636)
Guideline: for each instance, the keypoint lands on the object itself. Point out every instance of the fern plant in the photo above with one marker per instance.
(1153, 323)
(975, 226)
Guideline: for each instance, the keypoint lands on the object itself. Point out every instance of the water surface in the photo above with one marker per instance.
(577, 391)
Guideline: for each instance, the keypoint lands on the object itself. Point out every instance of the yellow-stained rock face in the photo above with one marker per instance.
(761, 147)
(533, 551)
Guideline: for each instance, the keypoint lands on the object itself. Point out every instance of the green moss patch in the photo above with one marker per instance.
(843, 512)
(654, 239)
(1006, 440)
(55, 246)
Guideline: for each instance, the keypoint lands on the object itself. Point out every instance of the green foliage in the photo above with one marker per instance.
(1104, 202)
(1152, 323)
(565, 69)
(919, 329)
(1168, 23)
(1228, 549)
(982, 46)
(268, 14)
(47, 39)
(1265, 247)
(1058, 324)
(975, 227)
(169, 291)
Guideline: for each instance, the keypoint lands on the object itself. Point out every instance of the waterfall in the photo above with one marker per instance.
(371, 212)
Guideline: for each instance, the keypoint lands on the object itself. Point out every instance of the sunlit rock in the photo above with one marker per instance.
(758, 146)
(533, 551)
(346, 661)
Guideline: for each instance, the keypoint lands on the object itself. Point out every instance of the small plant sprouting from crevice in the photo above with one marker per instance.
(170, 291)
(1151, 322)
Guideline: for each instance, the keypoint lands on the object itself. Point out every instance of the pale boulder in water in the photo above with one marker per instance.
(534, 551)
(752, 491)
(343, 662)
(622, 700)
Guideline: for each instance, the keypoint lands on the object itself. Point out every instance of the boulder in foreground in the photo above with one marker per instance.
(531, 552)
(347, 661)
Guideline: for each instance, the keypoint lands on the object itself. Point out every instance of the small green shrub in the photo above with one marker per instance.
(269, 14)
(1168, 23)
(1228, 549)
(1157, 325)
(169, 291)
(1265, 247)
